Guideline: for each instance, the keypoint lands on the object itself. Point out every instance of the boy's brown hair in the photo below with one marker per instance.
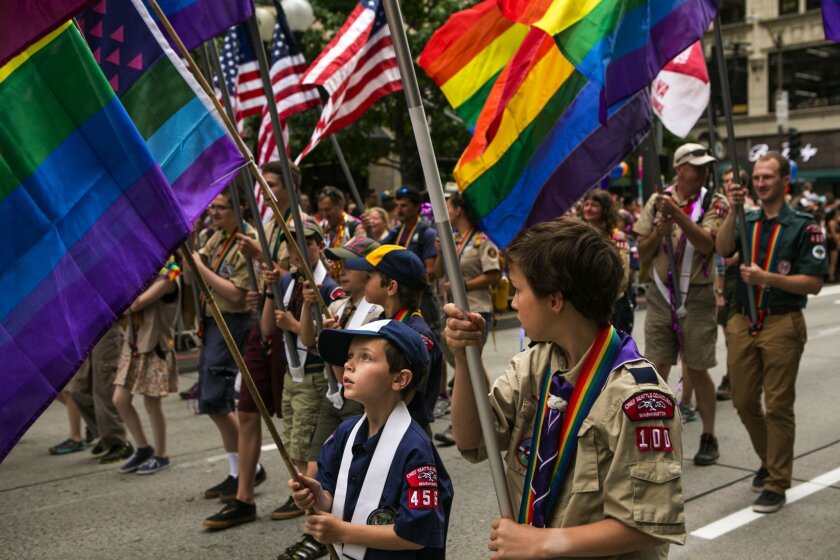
(572, 258)
(276, 168)
(408, 296)
(398, 362)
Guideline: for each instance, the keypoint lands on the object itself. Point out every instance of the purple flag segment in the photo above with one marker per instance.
(197, 21)
(88, 215)
(40, 18)
(831, 19)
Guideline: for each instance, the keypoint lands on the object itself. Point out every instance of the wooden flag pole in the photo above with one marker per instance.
(740, 221)
(243, 149)
(447, 242)
(288, 339)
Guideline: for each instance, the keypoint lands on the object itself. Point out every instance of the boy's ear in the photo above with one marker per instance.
(401, 379)
(556, 301)
(393, 288)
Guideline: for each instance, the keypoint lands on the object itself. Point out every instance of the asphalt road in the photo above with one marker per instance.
(71, 507)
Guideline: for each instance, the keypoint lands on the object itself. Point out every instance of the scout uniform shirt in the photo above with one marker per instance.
(703, 267)
(800, 250)
(627, 463)
(277, 241)
(417, 496)
(221, 255)
(477, 255)
(419, 239)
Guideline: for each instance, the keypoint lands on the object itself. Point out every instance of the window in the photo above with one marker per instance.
(813, 4)
(811, 76)
(732, 11)
(736, 71)
(788, 7)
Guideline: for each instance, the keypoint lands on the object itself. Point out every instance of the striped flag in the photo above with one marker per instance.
(287, 66)
(242, 75)
(680, 93)
(357, 68)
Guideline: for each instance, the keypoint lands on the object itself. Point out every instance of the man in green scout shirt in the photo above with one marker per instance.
(786, 263)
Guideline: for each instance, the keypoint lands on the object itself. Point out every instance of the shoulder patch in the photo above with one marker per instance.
(653, 438)
(721, 209)
(337, 293)
(815, 234)
(644, 374)
(422, 477)
(428, 341)
(648, 405)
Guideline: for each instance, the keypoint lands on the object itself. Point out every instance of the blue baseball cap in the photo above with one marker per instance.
(334, 344)
(394, 262)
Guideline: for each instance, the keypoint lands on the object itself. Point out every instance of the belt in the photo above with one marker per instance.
(774, 310)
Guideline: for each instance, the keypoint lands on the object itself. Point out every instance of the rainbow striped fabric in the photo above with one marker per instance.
(767, 265)
(172, 113)
(466, 55)
(86, 215)
(570, 104)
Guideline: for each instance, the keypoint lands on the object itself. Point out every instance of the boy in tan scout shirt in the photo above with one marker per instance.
(617, 490)
(685, 329)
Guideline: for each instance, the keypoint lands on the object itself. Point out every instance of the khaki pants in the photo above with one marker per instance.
(767, 362)
(93, 387)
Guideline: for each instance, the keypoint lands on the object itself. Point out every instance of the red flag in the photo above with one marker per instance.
(680, 93)
(358, 67)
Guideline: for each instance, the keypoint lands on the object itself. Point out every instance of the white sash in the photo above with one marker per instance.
(371, 493)
(356, 320)
(298, 373)
(685, 264)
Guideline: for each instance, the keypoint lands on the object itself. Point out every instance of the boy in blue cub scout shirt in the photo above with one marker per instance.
(379, 474)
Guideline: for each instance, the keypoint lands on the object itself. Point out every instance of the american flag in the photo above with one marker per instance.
(242, 75)
(357, 68)
(287, 66)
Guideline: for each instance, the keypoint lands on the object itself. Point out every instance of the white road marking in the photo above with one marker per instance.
(747, 515)
(832, 290)
(831, 331)
(216, 458)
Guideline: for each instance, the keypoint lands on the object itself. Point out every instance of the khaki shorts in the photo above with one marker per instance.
(328, 420)
(301, 407)
(699, 329)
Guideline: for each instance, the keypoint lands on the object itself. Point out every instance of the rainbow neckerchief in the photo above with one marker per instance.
(404, 314)
(229, 245)
(465, 242)
(769, 258)
(405, 241)
(596, 367)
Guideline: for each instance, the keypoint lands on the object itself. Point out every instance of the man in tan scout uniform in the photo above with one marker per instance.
(618, 490)
(764, 357)
(685, 328)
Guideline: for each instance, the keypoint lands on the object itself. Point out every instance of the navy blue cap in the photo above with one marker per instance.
(334, 344)
(394, 262)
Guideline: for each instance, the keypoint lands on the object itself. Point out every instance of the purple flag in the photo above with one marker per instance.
(41, 18)
(831, 19)
(196, 21)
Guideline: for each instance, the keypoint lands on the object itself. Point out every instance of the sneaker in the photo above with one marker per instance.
(769, 502)
(154, 465)
(260, 477)
(225, 487)
(98, 449)
(708, 453)
(67, 446)
(445, 438)
(139, 457)
(759, 478)
(287, 511)
(191, 393)
(88, 436)
(688, 413)
(724, 392)
(117, 453)
(442, 407)
(307, 548)
(234, 513)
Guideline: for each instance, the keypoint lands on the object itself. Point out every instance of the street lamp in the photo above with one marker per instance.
(299, 14)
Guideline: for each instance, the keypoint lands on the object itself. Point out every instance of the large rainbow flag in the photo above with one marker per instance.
(173, 114)
(466, 55)
(547, 132)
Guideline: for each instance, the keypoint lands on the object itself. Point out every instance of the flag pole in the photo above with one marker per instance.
(246, 374)
(237, 204)
(240, 144)
(350, 181)
(733, 156)
(288, 340)
(450, 258)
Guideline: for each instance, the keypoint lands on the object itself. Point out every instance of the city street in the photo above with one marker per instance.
(70, 507)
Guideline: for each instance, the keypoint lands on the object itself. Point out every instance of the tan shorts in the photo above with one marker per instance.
(699, 328)
(301, 407)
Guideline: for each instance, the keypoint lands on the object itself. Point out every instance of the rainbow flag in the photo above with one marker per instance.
(466, 55)
(539, 143)
(41, 18)
(171, 111)
(197, 21)
(86, 215)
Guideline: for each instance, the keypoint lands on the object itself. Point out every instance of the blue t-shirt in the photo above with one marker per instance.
(417, 496)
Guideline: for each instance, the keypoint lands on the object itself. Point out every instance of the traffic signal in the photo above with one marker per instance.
(794, 144)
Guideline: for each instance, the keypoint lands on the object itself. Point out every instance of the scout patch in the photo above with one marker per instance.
(648, 405)
(422, 477)
(783, 267)
(382, 516)
(653, 438)
(721, 210)
(492, 253)
(337, 293)
(226, 271)
(428, 341)
(818, 252)
(816, 234)
(523, 451)
(422, 498)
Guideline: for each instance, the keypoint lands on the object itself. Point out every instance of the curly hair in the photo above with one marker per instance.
(610, 212)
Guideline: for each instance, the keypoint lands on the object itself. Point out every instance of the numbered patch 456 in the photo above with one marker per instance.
(422, 498)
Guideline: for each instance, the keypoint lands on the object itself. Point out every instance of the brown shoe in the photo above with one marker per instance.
(287, 511)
